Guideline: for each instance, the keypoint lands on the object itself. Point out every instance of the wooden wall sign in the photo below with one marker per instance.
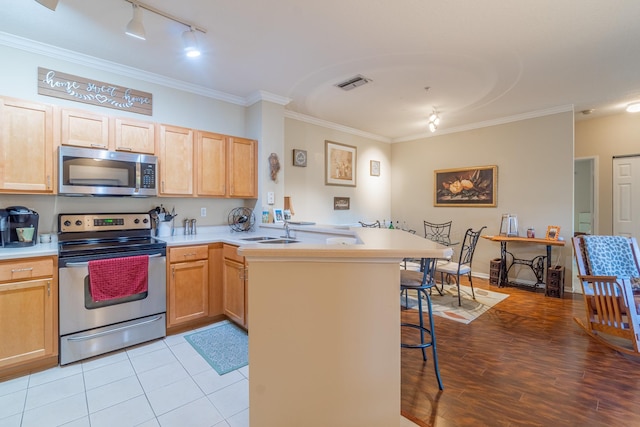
(74, 88)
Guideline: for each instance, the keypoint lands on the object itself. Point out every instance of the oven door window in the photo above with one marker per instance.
(90, 304)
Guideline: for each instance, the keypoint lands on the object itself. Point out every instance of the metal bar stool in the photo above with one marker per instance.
(422, 282)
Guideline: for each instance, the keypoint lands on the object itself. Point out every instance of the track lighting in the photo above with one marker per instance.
(190, 41)
(633, 108)
(134, 27)
(434, 121)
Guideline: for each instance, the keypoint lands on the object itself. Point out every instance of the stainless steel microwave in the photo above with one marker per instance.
(92, 172)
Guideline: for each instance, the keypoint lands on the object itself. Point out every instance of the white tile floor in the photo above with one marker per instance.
(162, 383)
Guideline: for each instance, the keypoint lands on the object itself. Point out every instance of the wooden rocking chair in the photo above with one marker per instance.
(607, 266)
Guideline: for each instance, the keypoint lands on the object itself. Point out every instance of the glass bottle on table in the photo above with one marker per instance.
(391, 225)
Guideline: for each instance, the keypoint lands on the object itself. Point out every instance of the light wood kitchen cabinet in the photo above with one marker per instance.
(84, 129)
(176, 161)
(242, 156)
(211, 170)
(28, 311)
(188, 284)
(134, 136)
(26, 147)
(234, 286)
(91, 130)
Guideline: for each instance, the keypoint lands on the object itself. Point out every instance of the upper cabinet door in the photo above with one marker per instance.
(26, 147)
(84, 129)
(176, 161)
(134, 136)
(243, 167)
(211, 179)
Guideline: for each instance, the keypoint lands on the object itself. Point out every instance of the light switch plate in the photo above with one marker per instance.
(271, 198)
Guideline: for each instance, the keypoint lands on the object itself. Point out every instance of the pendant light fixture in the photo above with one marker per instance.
(134, 27)
(190, 41)
(633, 108)
(434, 120)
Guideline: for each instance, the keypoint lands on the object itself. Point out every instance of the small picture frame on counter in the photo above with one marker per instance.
(553, 232)
(278, 215)
(287, 214)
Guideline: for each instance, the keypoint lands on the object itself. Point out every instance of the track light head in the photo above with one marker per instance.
(190, 41)
(50, 4)
(134, 27)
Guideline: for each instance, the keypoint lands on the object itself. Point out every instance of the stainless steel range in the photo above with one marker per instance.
(92, 325)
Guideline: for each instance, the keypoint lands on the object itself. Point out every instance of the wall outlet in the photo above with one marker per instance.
(203, 211)
(271, 198)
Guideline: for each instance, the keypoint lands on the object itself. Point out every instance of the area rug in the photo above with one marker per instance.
(447, 305)
(224, 346)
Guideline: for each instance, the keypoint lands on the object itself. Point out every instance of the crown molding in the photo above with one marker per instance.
(44, 49)
(261, 95)
(327, 124)
(488, 123)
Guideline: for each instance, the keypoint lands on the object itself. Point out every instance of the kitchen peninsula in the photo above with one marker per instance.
(324, 341)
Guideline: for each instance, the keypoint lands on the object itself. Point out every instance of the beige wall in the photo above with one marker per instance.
(313, 200)
(535, 181)
(604, 138)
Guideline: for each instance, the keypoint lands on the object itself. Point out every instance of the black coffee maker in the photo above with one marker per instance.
(18, 227)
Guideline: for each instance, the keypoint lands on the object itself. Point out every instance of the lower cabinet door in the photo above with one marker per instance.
(27, 321)
(233, 293)
(188, 291)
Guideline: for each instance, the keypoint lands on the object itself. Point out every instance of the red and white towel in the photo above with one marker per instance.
(118, 277)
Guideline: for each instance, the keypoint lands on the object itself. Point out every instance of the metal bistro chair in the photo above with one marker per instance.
(463, 266)
(422, 282)
(440, 233)
(370, 225)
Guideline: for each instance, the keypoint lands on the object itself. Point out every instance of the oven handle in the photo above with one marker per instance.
(84, 264)
(111, 331)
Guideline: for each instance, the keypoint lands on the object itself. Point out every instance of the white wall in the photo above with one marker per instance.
(312, 200)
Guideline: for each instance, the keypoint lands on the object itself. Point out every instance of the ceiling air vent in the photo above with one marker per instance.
(353, 82)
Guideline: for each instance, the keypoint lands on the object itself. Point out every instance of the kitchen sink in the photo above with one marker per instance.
(279, 241)
(260, 238)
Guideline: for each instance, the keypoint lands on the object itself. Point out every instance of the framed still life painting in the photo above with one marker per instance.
(340, 164)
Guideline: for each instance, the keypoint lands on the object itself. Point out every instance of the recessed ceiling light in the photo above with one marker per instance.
(633, 108)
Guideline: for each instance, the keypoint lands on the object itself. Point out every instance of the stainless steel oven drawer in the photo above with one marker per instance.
(97, 341)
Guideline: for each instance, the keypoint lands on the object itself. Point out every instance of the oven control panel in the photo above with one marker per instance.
(102, 222)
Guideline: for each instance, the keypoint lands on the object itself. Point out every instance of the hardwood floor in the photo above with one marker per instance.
(523, 363)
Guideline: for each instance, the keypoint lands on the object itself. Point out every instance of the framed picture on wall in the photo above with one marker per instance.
(374, 168)
(469, 187)
(341, 203)
(340, 164)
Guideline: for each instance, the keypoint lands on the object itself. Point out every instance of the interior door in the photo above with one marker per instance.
(626, 196)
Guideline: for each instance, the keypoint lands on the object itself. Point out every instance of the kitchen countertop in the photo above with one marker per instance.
(206, 235)
(371, 243)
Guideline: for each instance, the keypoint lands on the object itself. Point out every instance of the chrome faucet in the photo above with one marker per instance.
(287, 231)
